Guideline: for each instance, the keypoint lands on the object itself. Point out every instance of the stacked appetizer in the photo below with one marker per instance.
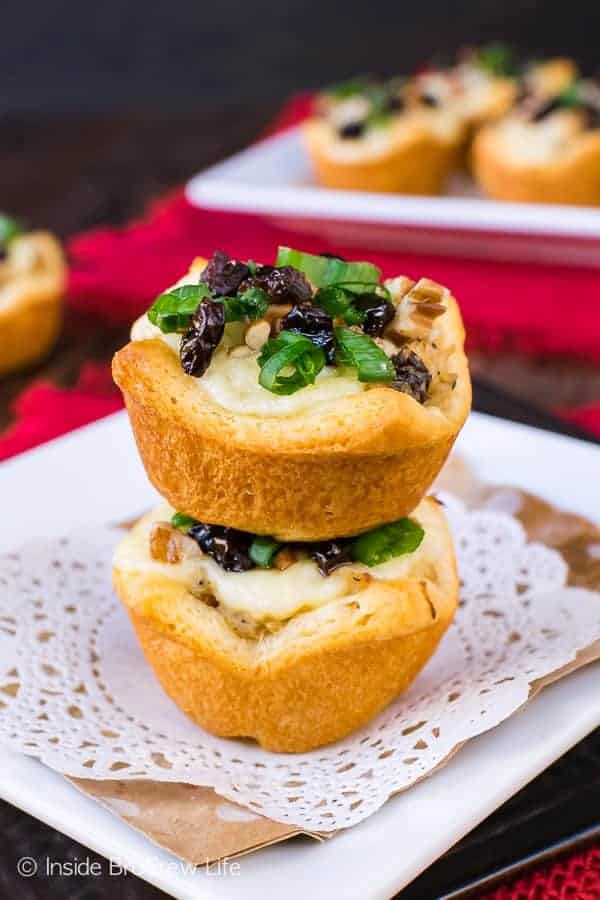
(32, 283)
(293, 417)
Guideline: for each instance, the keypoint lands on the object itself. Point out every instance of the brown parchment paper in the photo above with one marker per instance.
(200, 827)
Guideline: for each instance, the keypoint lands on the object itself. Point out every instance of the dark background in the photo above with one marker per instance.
(69, 56)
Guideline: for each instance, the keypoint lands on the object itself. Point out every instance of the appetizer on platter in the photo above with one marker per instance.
(485, 82)
(305, 400)
(546, 151)
(480, 86)
(295, 645)
(383, 137)
(406, 135)
(32, 283)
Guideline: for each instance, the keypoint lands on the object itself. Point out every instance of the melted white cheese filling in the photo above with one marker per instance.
(531, 143)
(377, 141)
(232, 382)
(269, 594)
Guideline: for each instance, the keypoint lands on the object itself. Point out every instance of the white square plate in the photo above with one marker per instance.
(94, 475)
(274, 178)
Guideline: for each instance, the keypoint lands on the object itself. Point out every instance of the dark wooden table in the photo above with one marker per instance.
(76, 173)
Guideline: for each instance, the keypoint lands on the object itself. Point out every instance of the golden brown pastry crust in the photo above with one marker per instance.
(325, 673)
(572, 179)
(31, 320)
(335, 470)
(416, 166)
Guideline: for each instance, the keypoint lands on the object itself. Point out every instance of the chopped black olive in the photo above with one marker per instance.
(412, 375)
(546, 108)
(224, 275)
(379, 312)
(352, 129)
(330, 555)
(202, 337)
(592, 115)
(283, 284)
(429, 99)
(313, 323)
(227, 546)
(395, 103)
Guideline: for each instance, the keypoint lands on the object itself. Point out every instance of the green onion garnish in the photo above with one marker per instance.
(571, 96)
(173, 310)
(180, 520)
(323, 271)
(338, 303)
(252, 304)
(263, 550)
(350, 88)
(9, 229)
(498, 59)
(294, 355)
(361, 353)
(388, 541)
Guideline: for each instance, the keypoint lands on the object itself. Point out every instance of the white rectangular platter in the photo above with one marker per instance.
(273, 178)
(94, 475)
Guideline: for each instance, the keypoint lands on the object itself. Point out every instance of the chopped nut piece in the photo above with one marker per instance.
(165, 543)
(425, 289)
(258, 334)
(417, 311)
(284, 559)
(241, 351)
(398, 287)
(277, 311)
(168, 544)
(388, 347)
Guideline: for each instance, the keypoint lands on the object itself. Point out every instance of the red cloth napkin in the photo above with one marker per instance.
(45, 411)
(575, 878)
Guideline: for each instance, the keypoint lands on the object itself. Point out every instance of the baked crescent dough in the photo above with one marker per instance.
(408, 160)
(32, 283)
(325, 672)
(507, 169)
(335, 469)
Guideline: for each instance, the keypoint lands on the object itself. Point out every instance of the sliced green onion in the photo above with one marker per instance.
(180, 520)
(324, 270)
(350, 88)
(497, 59)
(571, 96)
(173, 310)
(338, 303)
(377, 546)
(9, 229)
(252, 304)
(361, 353)
(262, 551)
(289, 352)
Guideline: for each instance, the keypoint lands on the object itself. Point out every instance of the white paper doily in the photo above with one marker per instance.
(76, 692)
